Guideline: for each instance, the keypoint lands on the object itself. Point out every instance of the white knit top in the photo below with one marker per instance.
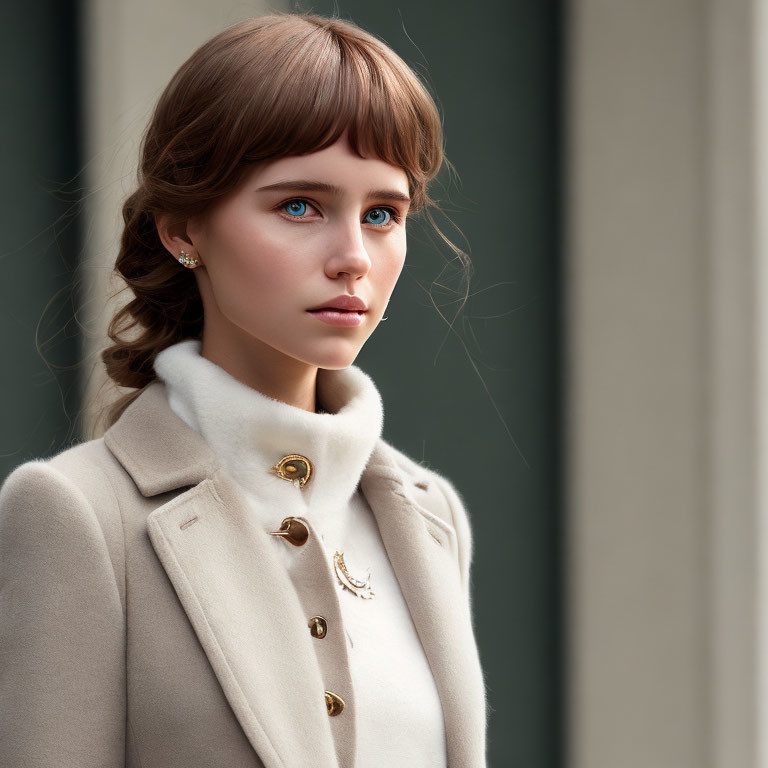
(399, 716)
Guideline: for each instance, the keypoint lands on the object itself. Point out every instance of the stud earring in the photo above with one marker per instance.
(187, 260)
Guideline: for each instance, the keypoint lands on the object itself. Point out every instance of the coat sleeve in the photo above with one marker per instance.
(62, 647)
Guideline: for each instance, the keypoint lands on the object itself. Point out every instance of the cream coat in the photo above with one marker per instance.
(146, 621)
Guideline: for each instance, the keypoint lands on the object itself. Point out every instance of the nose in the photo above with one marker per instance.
(348, 254)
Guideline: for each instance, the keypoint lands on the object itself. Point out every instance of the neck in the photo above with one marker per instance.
(265, 369)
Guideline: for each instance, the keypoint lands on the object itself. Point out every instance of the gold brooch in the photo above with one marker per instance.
(358, 587)
(294, 467)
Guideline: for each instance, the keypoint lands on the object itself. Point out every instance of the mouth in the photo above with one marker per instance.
(341, 311)
(347, 318)
(343, 303)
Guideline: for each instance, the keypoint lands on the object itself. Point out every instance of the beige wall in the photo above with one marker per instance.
(131, 49)
(664, 383)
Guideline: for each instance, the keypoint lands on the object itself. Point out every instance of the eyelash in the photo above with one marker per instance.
(395, 217)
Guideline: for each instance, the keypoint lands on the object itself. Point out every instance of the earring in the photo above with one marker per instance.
(188, 261)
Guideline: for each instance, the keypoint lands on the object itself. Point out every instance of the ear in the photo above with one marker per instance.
(173, 234)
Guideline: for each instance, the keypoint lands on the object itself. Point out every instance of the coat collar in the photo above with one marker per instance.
(240, 599)
(249, 431)
(158, 450)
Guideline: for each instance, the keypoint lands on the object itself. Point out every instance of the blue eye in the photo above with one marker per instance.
(296, 203)
(382, 217)
(380, 211)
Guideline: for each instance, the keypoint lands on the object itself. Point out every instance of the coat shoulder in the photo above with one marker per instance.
(438, 488)
(420, 472)
(82, 466)
(87, 469)
(73, 490)
(62, 654)
(436, 492)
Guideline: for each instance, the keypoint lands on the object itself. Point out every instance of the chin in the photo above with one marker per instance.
(333, 360)
(334, 365)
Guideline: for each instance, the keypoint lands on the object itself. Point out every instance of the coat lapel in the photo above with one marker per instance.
(234, 589)
(243, 606)
(423, 550)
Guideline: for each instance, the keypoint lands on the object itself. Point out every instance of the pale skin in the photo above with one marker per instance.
(267, 256)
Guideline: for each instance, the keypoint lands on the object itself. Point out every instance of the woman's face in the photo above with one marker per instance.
(296, 234)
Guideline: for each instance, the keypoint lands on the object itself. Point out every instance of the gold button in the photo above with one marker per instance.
(294, 467)
(293, 531)
(334, 704)
(318, 627)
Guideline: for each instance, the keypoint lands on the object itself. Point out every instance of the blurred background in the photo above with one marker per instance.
(598, 400)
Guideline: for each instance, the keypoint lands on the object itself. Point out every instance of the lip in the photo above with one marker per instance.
(343, 301)
(348, 319)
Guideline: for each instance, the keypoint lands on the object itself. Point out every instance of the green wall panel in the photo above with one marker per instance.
(39, 230)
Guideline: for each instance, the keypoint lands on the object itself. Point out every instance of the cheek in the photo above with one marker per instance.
(386, 270)
(252, 266)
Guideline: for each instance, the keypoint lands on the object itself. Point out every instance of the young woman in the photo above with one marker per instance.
(241, 572)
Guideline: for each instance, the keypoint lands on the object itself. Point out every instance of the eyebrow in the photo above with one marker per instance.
(321, 186)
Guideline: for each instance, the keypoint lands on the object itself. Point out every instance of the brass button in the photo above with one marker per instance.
(318, 627)
(294, 467)
(333, 703)
(293, 531)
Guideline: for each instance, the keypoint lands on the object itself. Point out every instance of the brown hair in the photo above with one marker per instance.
(262, 89)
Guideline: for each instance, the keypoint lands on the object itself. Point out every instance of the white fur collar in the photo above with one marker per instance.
(250, 432)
